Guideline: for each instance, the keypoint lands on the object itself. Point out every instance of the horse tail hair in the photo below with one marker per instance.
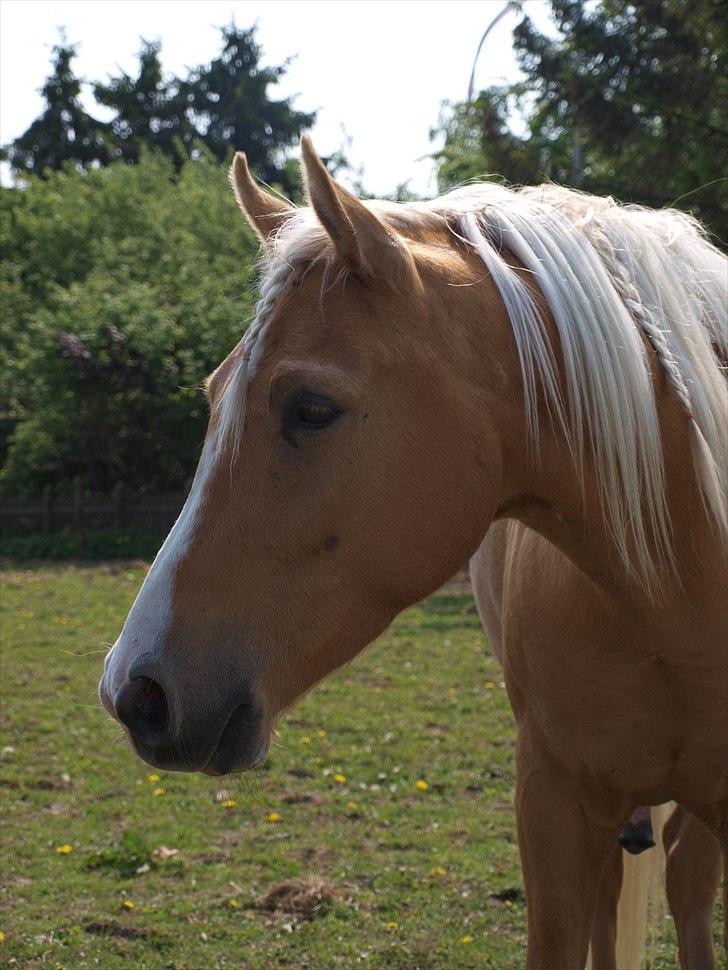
(641, 899)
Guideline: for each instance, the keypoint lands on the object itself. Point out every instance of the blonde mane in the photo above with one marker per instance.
(609, 274)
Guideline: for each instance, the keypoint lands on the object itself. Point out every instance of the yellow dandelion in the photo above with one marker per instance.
(452, 691)
(489, 685)
(127, 904)
(421, 785)
(304, 740)
(65, 849)
(466, 939)
(340, 778)
(152, 778)
(317, 761)
(159, 791)
(229, 803)
(2, 937)
(509, 903)
(352, 806)
(233, 903)
(437, 871)
(391, 926)
(321, 734)
(274, 817)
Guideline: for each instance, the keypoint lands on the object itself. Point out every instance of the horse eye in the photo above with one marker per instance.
(308, 412)
(318, 414)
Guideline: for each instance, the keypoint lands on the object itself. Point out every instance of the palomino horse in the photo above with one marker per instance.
(693, 859)
(415, 373)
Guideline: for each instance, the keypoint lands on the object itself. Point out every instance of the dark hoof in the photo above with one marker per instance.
(636, 838)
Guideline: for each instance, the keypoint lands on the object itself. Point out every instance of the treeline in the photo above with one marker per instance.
(128, 273)
(216, 107)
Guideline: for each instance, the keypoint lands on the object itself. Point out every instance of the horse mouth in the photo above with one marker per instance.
(240, 747)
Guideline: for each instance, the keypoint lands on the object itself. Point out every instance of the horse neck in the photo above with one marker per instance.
(543, 489)
(545, 492)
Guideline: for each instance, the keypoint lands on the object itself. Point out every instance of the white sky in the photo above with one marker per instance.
(379, 69)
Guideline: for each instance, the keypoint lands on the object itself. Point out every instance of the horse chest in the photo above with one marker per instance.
(627, 719)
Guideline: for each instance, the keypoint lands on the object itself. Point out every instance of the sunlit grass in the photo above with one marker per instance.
(382, 833)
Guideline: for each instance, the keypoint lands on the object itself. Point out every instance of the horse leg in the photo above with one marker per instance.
(563, 852)
(604, 931)
(693, 873)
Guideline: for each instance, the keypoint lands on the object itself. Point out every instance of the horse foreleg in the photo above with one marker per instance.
(563, 852)
(694, 863)
(604, 933)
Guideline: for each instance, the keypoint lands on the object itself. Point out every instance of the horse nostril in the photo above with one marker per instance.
(141, 705)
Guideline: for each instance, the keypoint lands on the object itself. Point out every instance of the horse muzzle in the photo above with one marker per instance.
(169, 731)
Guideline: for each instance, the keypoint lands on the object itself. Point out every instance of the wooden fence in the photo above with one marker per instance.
(81, 511)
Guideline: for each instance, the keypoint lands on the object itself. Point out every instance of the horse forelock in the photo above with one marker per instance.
(610, 274)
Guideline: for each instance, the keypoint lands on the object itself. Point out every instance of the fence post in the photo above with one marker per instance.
(118, 496)
(46, 510)
(78, 512)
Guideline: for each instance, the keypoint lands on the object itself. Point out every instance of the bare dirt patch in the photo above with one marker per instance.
(109, 927)
(304, 899)
(304, 798)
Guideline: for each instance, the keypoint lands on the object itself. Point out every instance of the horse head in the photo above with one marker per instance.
(353, 461)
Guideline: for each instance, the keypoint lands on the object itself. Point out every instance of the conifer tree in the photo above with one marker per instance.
(231, 107)
(149, 110)
(64, 131)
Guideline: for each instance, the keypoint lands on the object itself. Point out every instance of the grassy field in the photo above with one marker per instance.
(382, 835)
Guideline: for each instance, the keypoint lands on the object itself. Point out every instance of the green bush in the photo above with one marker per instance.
(121, 289)
(92, 545)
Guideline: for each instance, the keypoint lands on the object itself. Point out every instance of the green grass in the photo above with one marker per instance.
(404, 876)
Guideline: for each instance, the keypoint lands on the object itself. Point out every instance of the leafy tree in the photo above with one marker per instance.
(628, 99)
(121, 289)
(150, 112)
(64, 132)
(229, 102)
(480, 144)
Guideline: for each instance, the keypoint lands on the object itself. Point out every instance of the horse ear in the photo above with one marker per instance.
(370, 248)
(265, 213)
